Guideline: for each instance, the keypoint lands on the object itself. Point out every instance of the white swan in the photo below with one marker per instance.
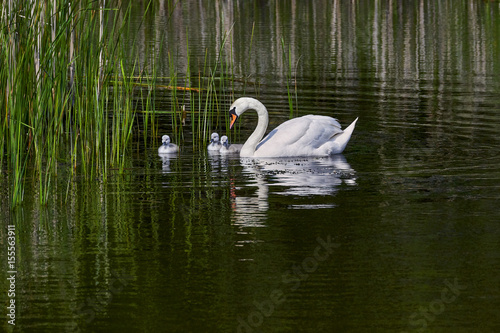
(309, 135)
(214, 145)
(229, 148)
(167, 147)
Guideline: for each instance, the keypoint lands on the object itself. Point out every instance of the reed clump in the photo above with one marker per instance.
(59, 101)
(73, 93)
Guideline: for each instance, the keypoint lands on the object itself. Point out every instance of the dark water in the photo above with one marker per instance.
(399, 233)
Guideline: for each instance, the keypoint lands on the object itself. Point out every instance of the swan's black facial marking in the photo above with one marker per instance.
(234, 116)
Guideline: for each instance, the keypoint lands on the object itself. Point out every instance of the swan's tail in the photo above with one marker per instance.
(342, 139)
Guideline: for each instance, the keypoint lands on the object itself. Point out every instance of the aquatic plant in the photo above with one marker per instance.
(74, 93)
(287, 65)
(60, 101)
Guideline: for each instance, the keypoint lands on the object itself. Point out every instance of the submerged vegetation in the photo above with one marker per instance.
(73, 93)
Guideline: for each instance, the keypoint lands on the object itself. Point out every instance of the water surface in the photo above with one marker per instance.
(399, 233)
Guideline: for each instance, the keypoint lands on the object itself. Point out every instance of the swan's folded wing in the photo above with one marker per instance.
(285, 134)
(321, 130)
(299, 136)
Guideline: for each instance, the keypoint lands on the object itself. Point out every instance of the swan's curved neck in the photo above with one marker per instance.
(253, 140)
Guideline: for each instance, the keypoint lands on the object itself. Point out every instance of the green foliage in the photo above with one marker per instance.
(74, 93)
(59, 104)
(288, 67)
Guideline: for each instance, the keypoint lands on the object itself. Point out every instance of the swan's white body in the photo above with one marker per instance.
(303, 136)
(167, 147)
(229, 148)
(214, 145)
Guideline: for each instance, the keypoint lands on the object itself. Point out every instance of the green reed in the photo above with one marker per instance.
(216, 75)
(288, 67)
(56, 71)
(73, 93)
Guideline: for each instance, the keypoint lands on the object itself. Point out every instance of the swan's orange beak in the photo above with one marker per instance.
(234, 116)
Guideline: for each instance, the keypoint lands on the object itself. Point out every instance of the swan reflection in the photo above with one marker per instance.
(251, 211)
(304, 176)
(214, 159)
(165, 161)
(295, 177)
